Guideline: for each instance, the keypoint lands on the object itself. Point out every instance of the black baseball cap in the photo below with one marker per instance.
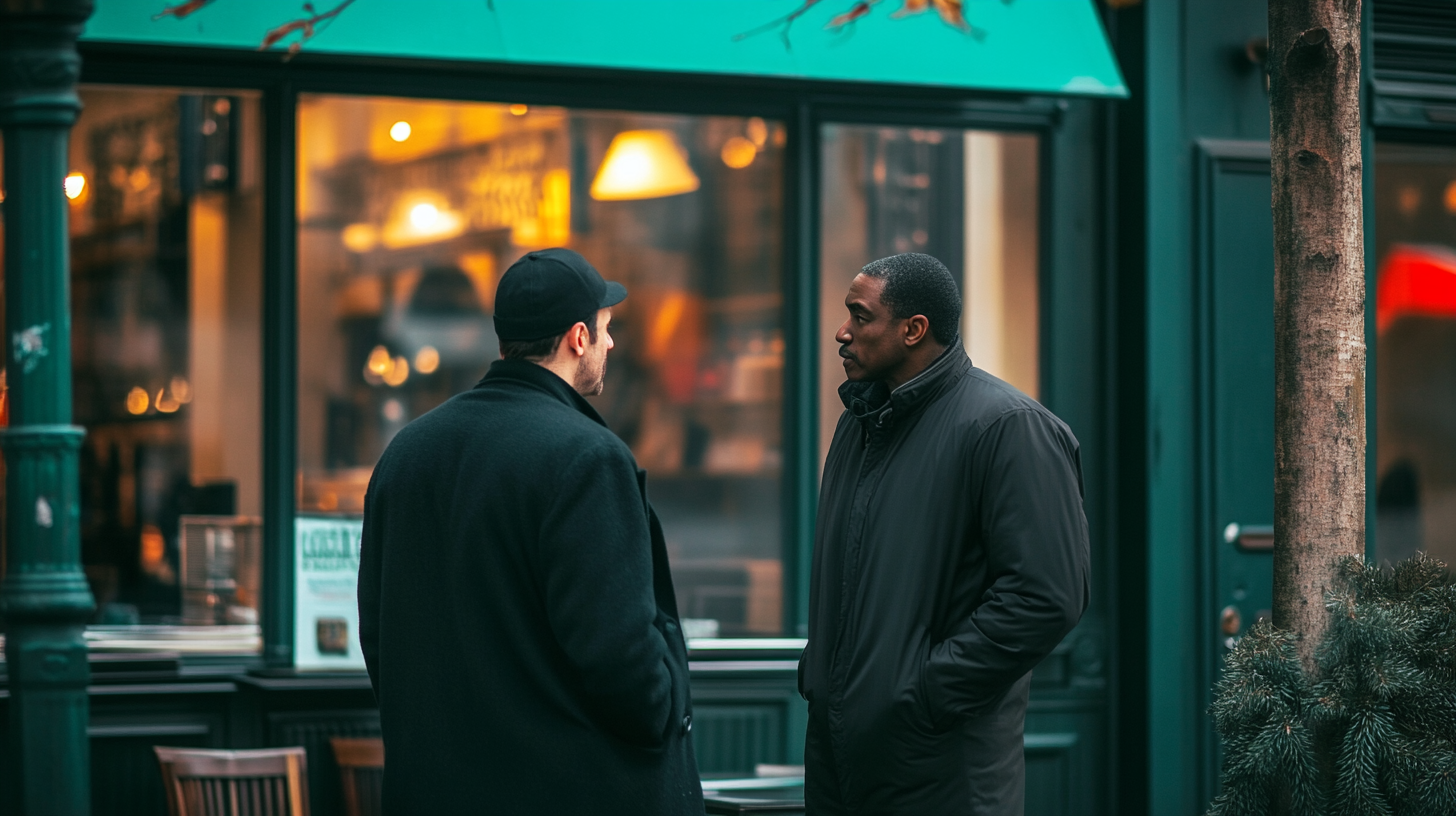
(549, 291)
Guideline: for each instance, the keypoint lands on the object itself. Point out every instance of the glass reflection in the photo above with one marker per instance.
(1415, 373)
(966, 197)
(409, 212)
(165, 209)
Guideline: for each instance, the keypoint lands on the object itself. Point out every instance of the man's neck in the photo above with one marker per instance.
(564, 369)
(915, 365)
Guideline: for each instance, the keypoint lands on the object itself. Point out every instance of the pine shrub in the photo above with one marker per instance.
(1375, 733)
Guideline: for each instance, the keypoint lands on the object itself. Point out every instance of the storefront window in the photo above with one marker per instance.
(409, 212)
(1415, 235)
(166, 304)
(966, 197)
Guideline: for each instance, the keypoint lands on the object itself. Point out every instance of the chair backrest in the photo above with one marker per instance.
(361, 773)
(264, 782)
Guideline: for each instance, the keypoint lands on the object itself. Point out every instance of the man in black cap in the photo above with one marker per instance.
(515, 608)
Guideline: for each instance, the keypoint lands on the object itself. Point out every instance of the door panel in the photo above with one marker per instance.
(1237, 282)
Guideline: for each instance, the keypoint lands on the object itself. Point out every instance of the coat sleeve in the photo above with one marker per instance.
(1037, 559)
(595, 562)
(370, 558)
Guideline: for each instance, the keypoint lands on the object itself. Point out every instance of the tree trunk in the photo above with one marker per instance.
(1319, 306)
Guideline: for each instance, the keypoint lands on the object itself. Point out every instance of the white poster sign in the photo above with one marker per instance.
(326, 592)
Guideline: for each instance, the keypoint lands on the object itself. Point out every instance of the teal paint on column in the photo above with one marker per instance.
(45, 599)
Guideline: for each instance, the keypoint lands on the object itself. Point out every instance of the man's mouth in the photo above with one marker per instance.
(847, 354)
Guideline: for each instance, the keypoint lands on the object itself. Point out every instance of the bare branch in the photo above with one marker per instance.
(784, 22)
(181, 9)
(952, 12)
(307, 27)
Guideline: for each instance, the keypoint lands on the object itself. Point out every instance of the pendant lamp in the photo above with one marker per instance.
(643, 164)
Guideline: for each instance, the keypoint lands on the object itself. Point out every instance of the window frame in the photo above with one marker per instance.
(803, 106)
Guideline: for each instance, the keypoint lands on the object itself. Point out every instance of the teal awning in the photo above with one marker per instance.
(1037, 46)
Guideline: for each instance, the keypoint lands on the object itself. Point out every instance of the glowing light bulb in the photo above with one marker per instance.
(360, 237)
(137, 401)
(75, 186)
(738, 152)
(398, 372)
(166, 404)
(399, 131)
(519, 110)
(427, 360)
(378, 362)
(181, 389)
(424, 216)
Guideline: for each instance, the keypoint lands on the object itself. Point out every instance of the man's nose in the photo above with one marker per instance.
(843, 335)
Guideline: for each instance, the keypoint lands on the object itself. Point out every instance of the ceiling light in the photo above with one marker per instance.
(427, 360)
(399, 131)
(75, 186)
(137, 401)
(738, 152)
(643, 164)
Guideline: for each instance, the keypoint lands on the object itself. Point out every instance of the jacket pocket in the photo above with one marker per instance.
(929, 719)
(679, 719)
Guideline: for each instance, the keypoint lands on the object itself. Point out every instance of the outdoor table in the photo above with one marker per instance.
(754, 795)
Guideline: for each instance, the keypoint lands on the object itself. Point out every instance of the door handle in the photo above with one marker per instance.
(1250, 537)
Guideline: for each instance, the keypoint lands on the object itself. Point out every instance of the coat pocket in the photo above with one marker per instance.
(680, 717)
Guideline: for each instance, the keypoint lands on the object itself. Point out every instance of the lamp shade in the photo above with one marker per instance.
(643, 164)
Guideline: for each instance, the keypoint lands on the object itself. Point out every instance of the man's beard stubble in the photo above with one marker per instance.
(591, 378)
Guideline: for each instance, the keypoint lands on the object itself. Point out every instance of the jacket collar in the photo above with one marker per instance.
(541, 379)
(874, 405)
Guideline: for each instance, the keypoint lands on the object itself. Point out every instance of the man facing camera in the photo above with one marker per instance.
(515, 608)
(950, 557)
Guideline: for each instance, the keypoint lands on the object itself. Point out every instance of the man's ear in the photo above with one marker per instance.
(917, 328)
(578, 337)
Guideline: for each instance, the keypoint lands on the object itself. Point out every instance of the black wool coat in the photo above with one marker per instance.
(517, 615)
(950, 557)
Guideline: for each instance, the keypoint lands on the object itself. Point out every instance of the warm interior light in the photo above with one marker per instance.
(427, 360)
(360, 237)
(75, 186)
(1451, 198)
(519, 110)
(424, 217)
(738, 152)
(137, 401)
(165, 403)
(643, 164)
(398, 372)
(420, 218)
(378, 360)
(181, 389)
(399, 131)
(757, 131)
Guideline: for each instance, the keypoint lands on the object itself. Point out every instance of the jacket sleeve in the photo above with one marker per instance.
(1037, 558)
(595, 562)
(370, 558)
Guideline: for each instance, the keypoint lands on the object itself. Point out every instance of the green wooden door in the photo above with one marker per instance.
(1236, 276)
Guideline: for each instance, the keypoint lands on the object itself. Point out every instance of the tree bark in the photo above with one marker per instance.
(1319, 306)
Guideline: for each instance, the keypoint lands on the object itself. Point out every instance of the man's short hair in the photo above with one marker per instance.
(917, 284)
(537, 350)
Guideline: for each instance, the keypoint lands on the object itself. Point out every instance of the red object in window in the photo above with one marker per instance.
(1415, 280)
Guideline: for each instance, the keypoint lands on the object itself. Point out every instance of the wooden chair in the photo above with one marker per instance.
(361, 771)
(264, 782)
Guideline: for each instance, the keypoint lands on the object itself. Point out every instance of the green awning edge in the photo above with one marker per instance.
(1055, 47)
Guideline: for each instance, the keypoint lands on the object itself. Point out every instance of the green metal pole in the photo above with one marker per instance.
(44, 598)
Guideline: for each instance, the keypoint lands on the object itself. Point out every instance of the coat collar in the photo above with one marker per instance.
(542, 379)
(874, 405)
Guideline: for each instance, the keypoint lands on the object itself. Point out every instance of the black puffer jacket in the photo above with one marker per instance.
(517, 615)
(950, 557)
